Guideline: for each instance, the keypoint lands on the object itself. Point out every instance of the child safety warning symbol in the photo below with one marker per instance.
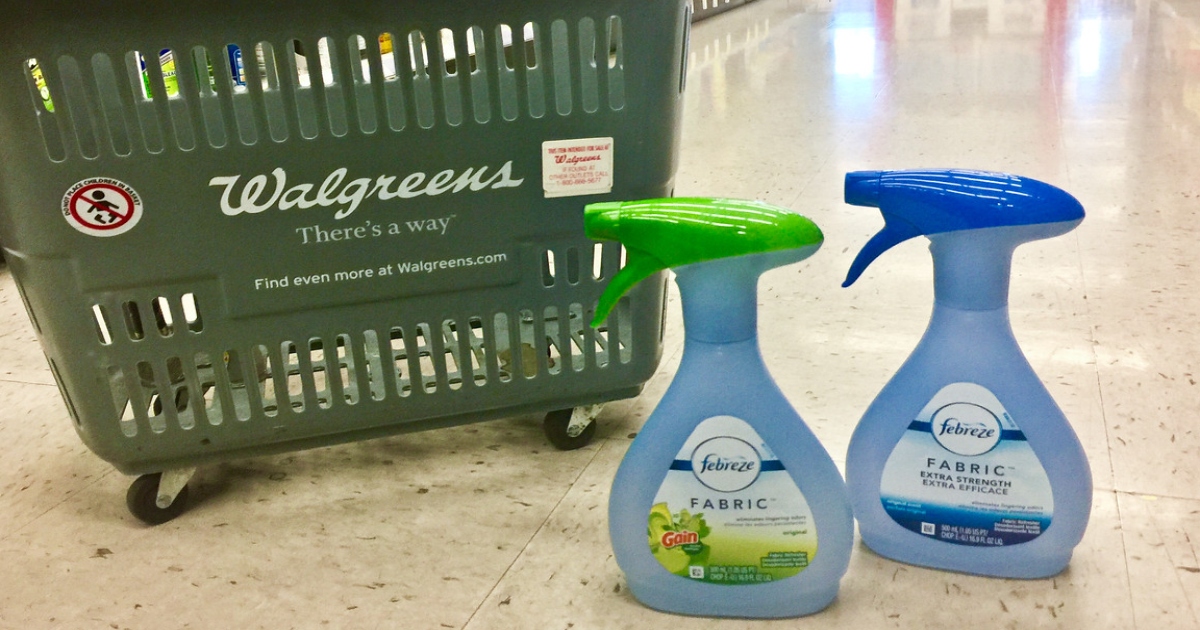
(102, 207)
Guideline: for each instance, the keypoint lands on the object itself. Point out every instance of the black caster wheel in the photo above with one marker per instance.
(556, 425)
(142, 501)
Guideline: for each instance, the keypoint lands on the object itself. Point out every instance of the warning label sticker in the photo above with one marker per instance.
(102, 207)
(577, 167)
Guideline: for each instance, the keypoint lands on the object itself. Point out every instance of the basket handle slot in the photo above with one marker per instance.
(422, 83)
(210, 105)
(243, 106)
(272, 91)
(506, 74)
(160, 85)
(78, 107)
(143, 105)
(391, 60)
(560, 56)
(588, 82)
(362, 59)
(532, 69)
(111, 107)
(450, 77)
(616, 64)
(477, 47)
(44, 109)
(306, 102)
(329, 58)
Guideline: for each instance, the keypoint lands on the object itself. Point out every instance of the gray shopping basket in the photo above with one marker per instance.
(244, 228)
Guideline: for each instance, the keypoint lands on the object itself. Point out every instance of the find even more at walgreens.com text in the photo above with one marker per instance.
(402, 268)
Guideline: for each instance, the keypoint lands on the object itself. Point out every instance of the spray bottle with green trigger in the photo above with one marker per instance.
(964, 461)
(726, 503)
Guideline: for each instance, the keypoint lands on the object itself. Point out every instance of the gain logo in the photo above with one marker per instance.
(726, 464)
(965, 429)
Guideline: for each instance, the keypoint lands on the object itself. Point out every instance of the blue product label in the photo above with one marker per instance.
(963, 473)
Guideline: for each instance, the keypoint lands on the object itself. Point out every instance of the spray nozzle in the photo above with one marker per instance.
(924, 202)
(662, 233)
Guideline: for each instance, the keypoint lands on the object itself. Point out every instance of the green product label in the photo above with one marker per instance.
(728, 512)
(166, 61)
(39, 80)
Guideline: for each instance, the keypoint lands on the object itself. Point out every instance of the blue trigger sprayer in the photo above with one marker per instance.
(964, 461)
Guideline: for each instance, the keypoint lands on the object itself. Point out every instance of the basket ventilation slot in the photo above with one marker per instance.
(287, 379)
(158, 315)
(254, 92)
(568, 265)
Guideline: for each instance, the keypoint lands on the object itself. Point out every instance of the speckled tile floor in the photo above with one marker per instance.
(488, 527)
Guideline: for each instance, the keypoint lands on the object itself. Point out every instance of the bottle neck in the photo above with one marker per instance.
(971, 268)
(720, 300)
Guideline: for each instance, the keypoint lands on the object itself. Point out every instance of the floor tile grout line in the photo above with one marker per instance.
(535, 533)
(1103, 411)
(19, 382)
(1112, 469)
(1135, 493)
(1125, 559)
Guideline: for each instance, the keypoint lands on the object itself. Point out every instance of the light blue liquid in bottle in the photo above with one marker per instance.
(726, 504)
(964, 462)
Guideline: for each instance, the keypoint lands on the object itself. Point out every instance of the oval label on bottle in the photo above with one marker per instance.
(963, 473)
(728, 512)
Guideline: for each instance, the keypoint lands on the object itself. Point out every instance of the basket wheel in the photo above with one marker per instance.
(557, 426)
(142, 501)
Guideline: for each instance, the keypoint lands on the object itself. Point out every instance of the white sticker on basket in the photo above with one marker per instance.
(101, 206)
(577, 167)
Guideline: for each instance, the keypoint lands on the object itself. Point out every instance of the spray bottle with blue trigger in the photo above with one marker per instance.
(726, 504)
(963, 461)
